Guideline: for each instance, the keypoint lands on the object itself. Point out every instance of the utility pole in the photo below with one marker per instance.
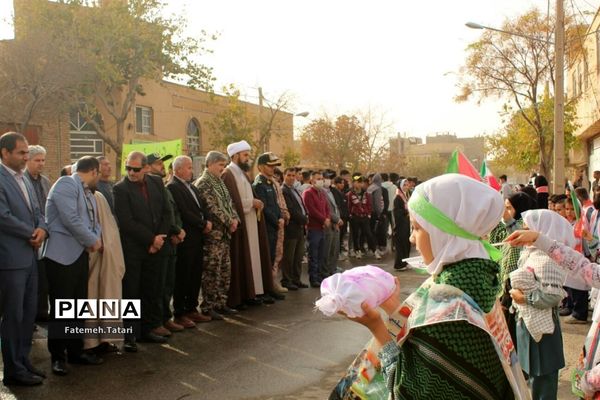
(261, 134)
(558, 183)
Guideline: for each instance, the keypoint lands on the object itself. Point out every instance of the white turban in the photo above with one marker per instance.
(237, 147)
(469, 204)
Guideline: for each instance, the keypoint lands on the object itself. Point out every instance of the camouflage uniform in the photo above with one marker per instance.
(217, 263)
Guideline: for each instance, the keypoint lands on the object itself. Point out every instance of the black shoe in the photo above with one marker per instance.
(59, 368)
(152, 338)
(24, 380)
(227, 311)
(301, 285)
(563, 312)
(277, 296)
(289, 286)
(36, 371)
(257, 301)
(401, 267)
(214, 315)
(130, 346)
(315, 284)
(240, 307)
(266, 299)
(87, 359)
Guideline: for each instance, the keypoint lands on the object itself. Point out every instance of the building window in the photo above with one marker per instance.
(84, 140)
(193, 138)
(143, 120)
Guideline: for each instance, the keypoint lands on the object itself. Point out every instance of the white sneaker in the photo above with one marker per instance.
(278, 288)
(377, 254)
(358, 254)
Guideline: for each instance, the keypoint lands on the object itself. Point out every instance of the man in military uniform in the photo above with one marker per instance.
(265, 191)
(225, 220)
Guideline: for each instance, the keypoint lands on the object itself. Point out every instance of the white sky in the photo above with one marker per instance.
(339, 56)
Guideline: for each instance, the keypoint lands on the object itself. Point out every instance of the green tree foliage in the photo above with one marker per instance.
(233, 122)
(38, 78)
(518, 144)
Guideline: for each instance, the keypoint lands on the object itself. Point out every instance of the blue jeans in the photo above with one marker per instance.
(316, 253)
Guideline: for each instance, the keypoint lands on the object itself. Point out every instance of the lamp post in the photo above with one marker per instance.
(558, 167)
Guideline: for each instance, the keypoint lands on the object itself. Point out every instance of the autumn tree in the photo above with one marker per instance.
(238, 120)
(516, 67)
(333, 143)
(378, 128)
(233, 121)
(38, 77)
(123, 44)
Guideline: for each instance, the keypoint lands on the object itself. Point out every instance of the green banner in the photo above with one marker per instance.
(172, 147)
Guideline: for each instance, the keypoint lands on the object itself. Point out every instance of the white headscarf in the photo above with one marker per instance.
(550, 224)
(473, 206)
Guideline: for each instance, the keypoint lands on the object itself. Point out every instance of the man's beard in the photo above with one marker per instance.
(244, 166)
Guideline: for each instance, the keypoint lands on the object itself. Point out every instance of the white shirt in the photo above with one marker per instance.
(244, 187)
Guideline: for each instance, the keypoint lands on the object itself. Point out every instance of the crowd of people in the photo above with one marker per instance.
(500, 291)
(199, 249)
(191, 249)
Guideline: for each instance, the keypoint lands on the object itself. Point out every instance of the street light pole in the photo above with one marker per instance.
(558, 182)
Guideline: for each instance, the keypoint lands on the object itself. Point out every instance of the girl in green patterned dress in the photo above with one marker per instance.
(438, 344)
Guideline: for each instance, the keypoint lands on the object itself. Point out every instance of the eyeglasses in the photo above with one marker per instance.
(134, 169)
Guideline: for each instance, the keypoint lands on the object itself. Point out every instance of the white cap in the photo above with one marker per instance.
(237, 147)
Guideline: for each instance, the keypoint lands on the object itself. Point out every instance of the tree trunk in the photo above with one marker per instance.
(119, 149)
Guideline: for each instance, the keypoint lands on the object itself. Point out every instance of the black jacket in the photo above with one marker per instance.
(140, 220)
(193, 217)
(295, 228)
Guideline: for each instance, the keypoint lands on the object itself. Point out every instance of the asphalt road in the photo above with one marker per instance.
(281, 351)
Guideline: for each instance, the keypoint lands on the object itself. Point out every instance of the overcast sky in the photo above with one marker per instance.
(339, 56)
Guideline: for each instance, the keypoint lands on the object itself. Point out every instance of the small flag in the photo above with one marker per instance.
(578, 227)
(488, 177)
(459, 164)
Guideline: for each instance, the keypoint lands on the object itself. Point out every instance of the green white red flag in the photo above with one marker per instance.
(459, 164)
(488, 177)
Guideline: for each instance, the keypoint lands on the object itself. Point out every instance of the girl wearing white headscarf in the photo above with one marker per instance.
(586, 376)
(539, 336)
(442, 344)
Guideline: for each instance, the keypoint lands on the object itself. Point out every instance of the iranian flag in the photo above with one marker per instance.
(459, 164)
(488, 177)
(578, 226)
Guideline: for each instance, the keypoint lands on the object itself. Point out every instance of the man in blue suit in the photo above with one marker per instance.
(22, 231)
(74, 231)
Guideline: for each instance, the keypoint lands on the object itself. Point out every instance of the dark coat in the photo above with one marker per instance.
(193, 217)
(140, 220)
(264, 190)
(296, 227)
(242, 284)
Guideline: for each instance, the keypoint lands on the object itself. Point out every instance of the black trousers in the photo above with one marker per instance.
(188, 278)
(169, 287)
(402, 241)
(360, 226)
(66, 282)
(145, 280)
(42, 291)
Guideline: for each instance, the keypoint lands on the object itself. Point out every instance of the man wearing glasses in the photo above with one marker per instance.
(145, 219)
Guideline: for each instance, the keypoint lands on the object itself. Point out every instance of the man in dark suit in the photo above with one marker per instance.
(293, 240)
(145, 219)
(189, 264)
(22, 231)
